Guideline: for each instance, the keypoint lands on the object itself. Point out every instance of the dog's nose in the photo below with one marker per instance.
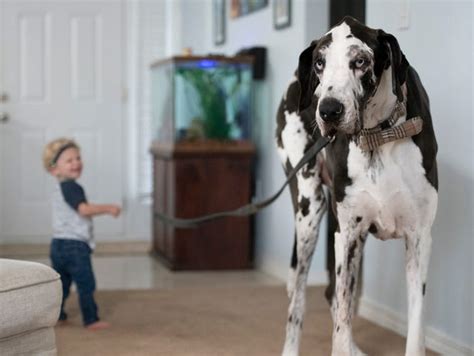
(330, 109)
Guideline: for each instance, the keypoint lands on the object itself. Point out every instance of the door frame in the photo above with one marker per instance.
(1, 125)
(337, 10)
(340, 8)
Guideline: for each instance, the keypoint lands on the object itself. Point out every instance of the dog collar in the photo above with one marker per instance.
(388, 131)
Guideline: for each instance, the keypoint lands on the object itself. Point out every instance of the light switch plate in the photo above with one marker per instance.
(404, 19)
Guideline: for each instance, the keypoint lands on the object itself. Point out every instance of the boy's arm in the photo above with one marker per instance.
(88, 210)
(74, 195)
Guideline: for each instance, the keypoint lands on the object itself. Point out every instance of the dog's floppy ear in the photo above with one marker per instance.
(306, 77)
(397, 60)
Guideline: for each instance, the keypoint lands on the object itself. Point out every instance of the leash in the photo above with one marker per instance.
(251, 208)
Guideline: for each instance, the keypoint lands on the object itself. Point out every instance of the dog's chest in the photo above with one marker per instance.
(389, 189)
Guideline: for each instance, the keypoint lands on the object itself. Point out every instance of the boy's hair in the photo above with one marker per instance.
(53, 150)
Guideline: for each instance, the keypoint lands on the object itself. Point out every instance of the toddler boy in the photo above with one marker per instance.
(73, 239)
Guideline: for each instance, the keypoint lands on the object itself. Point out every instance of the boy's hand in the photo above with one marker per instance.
(115, 210)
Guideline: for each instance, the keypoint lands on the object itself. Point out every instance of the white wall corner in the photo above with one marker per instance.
(434, 339)
(174, 10)
(131, 76)
(146, 39)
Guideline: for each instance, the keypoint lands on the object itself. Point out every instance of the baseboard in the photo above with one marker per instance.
(103, 248)
(435, 340)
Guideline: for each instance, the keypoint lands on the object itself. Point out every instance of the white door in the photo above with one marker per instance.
(60, 75)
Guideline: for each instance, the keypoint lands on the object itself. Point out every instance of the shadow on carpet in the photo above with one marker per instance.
(213, 321)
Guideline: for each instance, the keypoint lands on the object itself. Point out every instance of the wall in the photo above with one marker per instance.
(438, 43)
(274, 226)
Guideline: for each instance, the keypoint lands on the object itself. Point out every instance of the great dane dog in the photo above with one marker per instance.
(355, 85)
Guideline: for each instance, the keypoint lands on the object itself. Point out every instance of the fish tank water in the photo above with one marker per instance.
(201, 98)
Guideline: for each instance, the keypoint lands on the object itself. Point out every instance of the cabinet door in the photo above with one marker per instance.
(204, 186)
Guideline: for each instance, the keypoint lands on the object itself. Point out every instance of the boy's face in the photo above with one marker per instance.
(68, 165)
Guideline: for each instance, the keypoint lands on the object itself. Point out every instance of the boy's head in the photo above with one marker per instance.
(62, 158)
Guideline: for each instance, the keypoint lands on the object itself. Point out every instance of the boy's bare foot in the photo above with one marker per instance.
(98, 325)
(62, 323)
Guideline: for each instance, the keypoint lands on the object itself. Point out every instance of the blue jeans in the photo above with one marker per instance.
(72, 260)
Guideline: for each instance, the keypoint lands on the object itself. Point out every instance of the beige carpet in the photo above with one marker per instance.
(216, 321)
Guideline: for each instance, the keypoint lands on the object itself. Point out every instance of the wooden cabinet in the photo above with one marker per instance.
(197, 178)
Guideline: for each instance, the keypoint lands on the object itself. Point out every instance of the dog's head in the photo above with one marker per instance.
(343, 71)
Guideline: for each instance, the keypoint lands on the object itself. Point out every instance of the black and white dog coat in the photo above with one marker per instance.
(351, 82)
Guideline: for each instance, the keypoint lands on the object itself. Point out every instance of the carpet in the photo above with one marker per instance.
(206, 322)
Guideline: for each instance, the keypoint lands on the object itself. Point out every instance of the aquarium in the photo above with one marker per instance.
(201, 98)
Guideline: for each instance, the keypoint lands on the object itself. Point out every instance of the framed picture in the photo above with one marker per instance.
(243, 7)
(219, 21)
(281, 13)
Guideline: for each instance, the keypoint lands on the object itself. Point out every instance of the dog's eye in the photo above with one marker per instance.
(319, 64)
(359, 63)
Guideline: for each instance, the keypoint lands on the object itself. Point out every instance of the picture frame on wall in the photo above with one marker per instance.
(244, 7)
(281, 14)
(219, 22)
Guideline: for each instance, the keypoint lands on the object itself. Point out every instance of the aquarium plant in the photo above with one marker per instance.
(216, 87)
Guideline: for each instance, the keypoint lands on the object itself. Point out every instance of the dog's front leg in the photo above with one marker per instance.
(418, 250)
(307, 220)
(348, 246)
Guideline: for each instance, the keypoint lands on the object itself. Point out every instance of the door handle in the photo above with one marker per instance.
(4, 117)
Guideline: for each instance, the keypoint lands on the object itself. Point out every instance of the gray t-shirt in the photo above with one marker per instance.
(67, 222)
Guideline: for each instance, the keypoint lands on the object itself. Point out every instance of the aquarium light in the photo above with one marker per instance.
(206, 63)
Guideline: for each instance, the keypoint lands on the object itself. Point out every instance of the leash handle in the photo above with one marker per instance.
(251, 208)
